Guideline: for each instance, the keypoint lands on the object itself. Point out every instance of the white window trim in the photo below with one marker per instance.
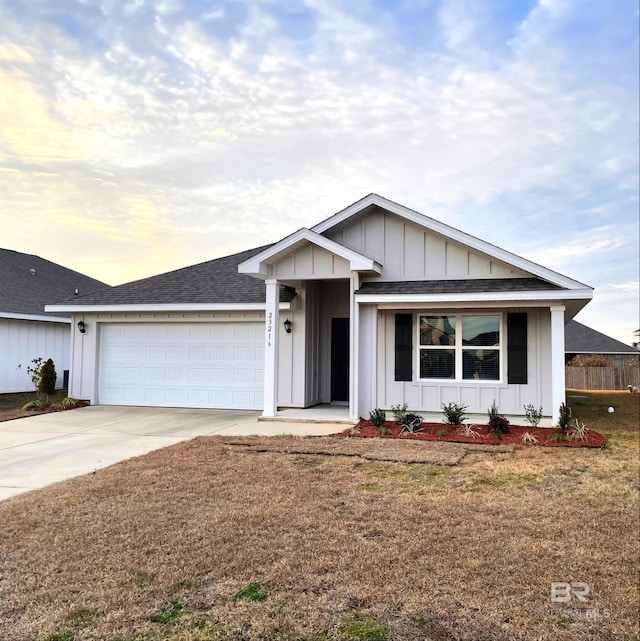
(458, 348)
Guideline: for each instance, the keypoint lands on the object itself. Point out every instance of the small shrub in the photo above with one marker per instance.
(556, 437)
(468, 431)
(252, 592)
(564, 417)
(499, 426)
(493, 411)
(35, 371)
(443, 432)
(529, 439)
(579, 432)
(47, 384)
(399, 412)
(35, 404)
(67, 403)
(377, 417)
(533, 415)
(454, 413)
(385, 430)
(411, 423)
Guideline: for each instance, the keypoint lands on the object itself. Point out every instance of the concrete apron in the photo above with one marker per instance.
(40, 450)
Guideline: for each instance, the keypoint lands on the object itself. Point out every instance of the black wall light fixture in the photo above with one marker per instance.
(287, 326)
(82, 328)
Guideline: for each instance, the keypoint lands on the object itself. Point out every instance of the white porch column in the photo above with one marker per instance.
(272, 325)
(354, 347)
(557, 360)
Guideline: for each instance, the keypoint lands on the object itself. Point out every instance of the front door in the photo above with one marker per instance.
(340, 359)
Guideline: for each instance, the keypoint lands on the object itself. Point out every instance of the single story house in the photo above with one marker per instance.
(582, 344)
(375, 306)
(26, 330)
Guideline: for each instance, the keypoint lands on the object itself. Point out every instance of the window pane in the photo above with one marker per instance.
(437, 330)
(437, 363)
(481, 330)
(481, 364)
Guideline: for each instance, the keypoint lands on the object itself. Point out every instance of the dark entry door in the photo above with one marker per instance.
(340, 359)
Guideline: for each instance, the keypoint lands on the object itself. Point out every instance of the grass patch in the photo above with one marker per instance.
(252, 592)
(168, 612)
(509, 479)
(362, 627)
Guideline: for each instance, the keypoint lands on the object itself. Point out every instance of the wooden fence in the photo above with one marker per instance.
(602, 378)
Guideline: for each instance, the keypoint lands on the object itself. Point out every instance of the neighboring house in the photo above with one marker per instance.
(583, 345)
(381, 305)
(27, 282)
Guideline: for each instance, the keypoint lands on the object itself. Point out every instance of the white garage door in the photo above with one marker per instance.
(218, 365)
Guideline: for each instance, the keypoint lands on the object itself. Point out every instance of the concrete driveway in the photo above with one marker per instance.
(40, 450)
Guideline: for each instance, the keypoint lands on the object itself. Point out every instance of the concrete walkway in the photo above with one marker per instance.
(40, 450)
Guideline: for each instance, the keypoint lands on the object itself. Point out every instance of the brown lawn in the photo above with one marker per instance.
(292, 539)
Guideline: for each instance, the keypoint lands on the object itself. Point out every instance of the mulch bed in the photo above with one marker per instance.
(11, 414)
(429, 432)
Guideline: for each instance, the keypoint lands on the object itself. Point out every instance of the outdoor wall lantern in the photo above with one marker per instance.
(287, 326)
(82, 328)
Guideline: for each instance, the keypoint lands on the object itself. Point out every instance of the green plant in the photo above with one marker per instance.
(454, 413)
(377, 417)
(579, 432)
(564, 417)
(533, 415)
(529, 439)
(468, 431)
(48, 377)
(556, 437)
(35, 404)
(67, 403)
(385, 430)
(493, 410)
(35, 371)
(252, 592)
(411, 423)
(499, 426)
(399, 412)
(443, 432)
(169, 611)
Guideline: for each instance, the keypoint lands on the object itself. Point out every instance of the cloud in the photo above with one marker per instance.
(223, 127)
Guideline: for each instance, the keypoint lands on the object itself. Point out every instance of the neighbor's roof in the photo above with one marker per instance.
(28, 283)
(456, 286)
(213, 282)
(580, 339)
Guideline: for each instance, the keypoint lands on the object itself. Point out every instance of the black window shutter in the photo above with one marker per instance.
(517, 348)
(404, 347)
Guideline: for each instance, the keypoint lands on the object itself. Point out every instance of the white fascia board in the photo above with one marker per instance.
(257, 265)
(452, 233)
(36, 317)
(195, 307)
(482, 297)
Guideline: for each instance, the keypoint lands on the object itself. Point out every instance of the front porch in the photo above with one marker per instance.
(324, 413)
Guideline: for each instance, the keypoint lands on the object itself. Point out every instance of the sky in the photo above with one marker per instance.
(141, 136)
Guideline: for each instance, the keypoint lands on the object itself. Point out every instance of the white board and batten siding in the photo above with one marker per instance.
(409, 252)
(21, 341)
(204, 365)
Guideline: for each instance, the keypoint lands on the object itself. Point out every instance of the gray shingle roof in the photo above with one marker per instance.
(215, 281)
(462, 286)
(579, 338)
(24, 292)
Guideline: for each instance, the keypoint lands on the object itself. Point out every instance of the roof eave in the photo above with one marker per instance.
(163, 307)
(450, 232)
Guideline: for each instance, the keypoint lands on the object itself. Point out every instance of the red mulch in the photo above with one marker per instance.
(9, 415)
(429, 432)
